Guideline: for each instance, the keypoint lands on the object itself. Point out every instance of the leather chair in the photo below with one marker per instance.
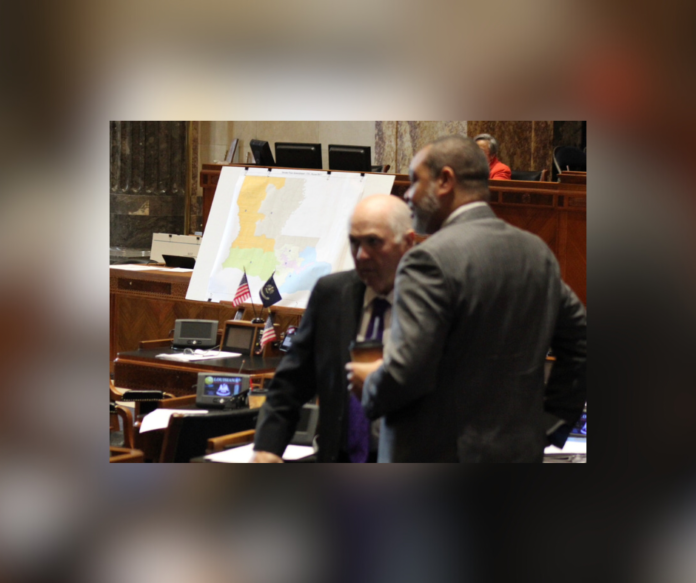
(121, 428)
(569, 158)
(187, 436)
(534, 175)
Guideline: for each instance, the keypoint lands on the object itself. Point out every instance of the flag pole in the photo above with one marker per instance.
(256, 318)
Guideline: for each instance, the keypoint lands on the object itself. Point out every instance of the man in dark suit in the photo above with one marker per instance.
(477, 306)
(340, 309)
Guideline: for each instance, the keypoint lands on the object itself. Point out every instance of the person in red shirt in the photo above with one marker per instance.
(489, 145)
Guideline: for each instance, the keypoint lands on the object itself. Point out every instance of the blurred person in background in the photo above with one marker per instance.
(477, 306)
(489, 145)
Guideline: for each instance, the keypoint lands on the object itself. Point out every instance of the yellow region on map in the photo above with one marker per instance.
(251, 196)
(254, 253)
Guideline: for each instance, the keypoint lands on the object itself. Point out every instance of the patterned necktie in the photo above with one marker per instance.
(375, 327)
(358, 424)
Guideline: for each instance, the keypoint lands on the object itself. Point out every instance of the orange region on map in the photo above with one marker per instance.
(254, 253)
(251, 197)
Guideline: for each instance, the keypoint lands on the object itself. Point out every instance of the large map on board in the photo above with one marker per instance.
(291, 224)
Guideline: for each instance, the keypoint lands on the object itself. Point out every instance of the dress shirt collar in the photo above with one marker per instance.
(462, 209)
(371, 294)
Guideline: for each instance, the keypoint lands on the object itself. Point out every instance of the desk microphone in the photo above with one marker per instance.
(241, 367)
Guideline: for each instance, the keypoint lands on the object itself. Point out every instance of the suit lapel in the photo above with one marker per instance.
(353, 296)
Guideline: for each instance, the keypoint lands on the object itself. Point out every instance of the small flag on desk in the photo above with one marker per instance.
(269, 293)
(269, 334)
(243, 292)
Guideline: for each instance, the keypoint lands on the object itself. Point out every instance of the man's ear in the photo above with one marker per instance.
(410, 238)
(446, 181)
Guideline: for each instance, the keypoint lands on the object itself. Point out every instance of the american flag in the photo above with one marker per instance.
(243, 292)
(269, 334)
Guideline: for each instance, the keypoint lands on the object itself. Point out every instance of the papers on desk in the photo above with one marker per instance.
(132, 267)
(159, 418)
(243, 454)
(142, 267)
(572, 446)
(198, 354)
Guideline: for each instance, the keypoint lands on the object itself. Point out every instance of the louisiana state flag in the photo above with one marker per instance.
(269, 293)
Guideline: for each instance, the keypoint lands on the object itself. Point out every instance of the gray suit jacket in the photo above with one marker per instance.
(477, 306)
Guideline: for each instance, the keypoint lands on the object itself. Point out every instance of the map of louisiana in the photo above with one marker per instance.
(292, 227)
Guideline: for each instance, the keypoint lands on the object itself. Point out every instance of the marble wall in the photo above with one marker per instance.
(396, 142)
(148, 181)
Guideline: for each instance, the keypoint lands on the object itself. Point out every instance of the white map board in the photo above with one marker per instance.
(291, 222)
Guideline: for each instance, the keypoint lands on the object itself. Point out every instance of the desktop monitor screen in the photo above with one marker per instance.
(293, 155)
(355, 158)
(195, 333)
(262, 153)
(239, 336)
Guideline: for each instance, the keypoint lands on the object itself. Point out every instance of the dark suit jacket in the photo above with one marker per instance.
(315, 365)
(477, 306)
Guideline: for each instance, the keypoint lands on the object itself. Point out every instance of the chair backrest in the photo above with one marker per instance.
(186, 436)
(124, 455)
(569, 158)
(124, 428)
(527, 175)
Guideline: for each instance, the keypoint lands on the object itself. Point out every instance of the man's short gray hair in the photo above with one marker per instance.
(465, 158)
(492, 143)
(400, 222)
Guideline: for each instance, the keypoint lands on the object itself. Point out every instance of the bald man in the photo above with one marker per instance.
(340, 310)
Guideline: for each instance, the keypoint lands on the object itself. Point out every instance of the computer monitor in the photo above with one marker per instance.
(240, 336)
(355, 158)
(262, 153)
(295, 155)
(195, 333)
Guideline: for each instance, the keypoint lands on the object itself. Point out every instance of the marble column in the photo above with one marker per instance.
(147, 181)
(396, 142)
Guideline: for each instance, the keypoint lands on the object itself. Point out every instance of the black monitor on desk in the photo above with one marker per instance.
(297, 155)
(262, 153)
(355, 158)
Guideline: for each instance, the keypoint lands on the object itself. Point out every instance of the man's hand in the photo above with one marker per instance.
(265, 457)
(358, 372)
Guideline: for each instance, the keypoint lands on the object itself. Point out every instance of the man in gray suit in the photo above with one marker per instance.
(477, 306)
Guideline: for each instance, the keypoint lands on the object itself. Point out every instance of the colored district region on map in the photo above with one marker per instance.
(249, 251)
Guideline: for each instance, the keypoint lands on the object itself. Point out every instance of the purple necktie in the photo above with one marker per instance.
(379, 309)
(358, 424)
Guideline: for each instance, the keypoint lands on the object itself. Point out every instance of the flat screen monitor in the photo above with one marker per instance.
(295, 155)
(195, 333)
(239, 336)
(262, 153)
(355, 158)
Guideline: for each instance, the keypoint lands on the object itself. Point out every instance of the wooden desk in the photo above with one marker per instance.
(145, 304)
(141, 370)
(555, 211)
